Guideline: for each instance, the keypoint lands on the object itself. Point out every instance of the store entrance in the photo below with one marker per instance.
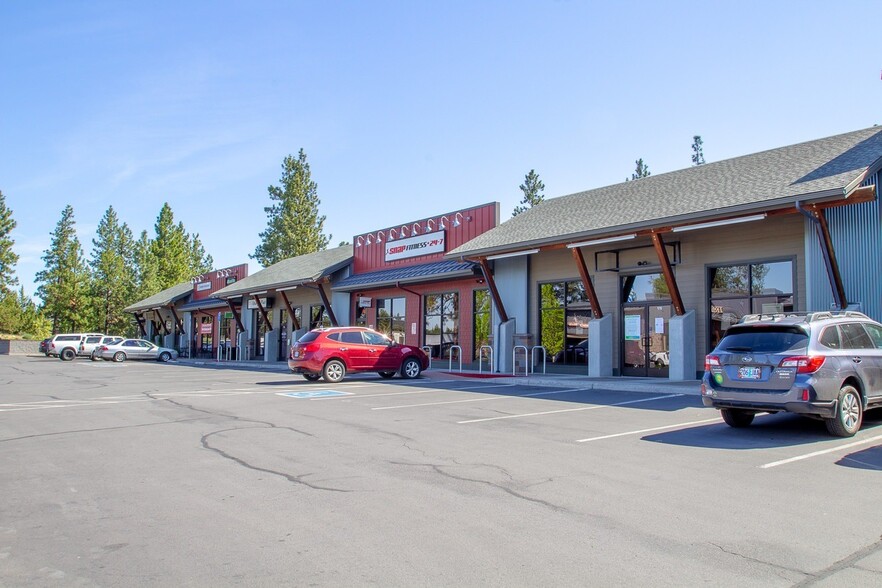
(646, 314)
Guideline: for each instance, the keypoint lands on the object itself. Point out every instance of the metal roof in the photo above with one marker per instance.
(160, 299)
(441, 270)
(293, 271)
(814, 170)
(205, 303)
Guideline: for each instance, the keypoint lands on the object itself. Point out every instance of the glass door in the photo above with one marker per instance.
(645, 350)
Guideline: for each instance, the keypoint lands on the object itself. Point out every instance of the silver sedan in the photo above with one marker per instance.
(136, 349)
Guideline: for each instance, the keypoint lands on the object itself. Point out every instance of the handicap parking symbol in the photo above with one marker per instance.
(315, 394)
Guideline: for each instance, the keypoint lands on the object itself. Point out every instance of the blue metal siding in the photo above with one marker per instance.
(857, 240)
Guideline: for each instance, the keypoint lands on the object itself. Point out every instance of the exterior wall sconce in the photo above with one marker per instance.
(457, 219)
(369, 240)
(415, 229)
(392, 234)
(359, 240)
(380, 236)
(404, 230)
(444, 220)
(430, 225)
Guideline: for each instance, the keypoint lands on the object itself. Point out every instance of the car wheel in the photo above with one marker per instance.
(312, 377)
(94, 356)
(67, 354)
(849, 413)
(334, 371)
(411, 368)
(119, 357)
(737, 418)
(386, 375)
(164, 356)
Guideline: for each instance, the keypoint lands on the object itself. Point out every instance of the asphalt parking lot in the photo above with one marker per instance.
(169, 474)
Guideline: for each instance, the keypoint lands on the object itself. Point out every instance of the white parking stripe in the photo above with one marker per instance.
(775, 464)
(592, 407)
(716, 420)
(483, 398)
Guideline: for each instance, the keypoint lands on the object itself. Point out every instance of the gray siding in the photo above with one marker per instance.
(857, 241)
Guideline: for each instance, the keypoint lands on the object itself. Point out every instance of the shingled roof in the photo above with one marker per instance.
(293, 271)
(810, 171)
(163, 298)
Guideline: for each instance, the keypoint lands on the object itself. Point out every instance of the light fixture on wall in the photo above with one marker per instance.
(392, 234)
(457, 219)
(444, 221)
(403, 230)
(720, 223)
(415, 229)
(380, 236)
(359, 240)
(430, 225)
(369, 240)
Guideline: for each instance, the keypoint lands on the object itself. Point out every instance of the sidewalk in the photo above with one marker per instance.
(624, 384)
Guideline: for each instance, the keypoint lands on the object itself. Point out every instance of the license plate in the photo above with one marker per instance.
(749, 373)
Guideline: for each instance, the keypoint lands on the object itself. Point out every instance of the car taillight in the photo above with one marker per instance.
(804, 364)
(711, 360)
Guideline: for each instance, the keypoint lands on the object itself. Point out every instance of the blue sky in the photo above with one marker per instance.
(405, 109)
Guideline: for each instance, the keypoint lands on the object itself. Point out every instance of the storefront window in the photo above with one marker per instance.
(645, 288)
(318, 317)
(390, 318)
(480, 321)
(205, 334)
(261, 327)
(564, 316)
(361, 316)
(441, 322)
(225, 334)
(737, 290)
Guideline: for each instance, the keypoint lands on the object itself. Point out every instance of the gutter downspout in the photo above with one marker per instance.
(822, 230)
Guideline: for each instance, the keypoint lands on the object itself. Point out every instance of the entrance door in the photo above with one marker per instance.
(283, 336)
(645, 349)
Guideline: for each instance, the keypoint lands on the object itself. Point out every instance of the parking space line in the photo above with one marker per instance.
(775, 464)
(701, 422)
(482, 399)
(592, 407)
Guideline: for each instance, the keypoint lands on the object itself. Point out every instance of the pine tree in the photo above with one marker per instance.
(8, 258)
(200, 262)
(146, 270)
(65, 279)
(641, 170)
(697, 150)
(113, 274)
(171, 250)
(533, 189)
(294, 226)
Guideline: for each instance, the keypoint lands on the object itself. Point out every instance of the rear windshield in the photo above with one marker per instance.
(308, 337)
(763, 340)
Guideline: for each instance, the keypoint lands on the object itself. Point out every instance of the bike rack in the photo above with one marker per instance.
(459, 355)
(428, 350)
(533, 357)
(489, 357)
(514, 360)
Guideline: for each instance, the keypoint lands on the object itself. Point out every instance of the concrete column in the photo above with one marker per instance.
(682, 348)
(503, 345)
(600, 347)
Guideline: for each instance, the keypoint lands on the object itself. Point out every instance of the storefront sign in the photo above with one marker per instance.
(205, 328)
(364, 302)
(415, 246)
(203, 286)
(267, 303)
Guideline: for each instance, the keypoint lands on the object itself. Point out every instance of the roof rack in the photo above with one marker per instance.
(804, 316)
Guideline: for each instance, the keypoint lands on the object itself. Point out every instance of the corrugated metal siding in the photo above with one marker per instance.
(857, 240)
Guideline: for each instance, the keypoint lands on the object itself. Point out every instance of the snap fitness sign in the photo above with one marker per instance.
(415, 246)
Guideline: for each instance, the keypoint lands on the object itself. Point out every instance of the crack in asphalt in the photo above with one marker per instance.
(844, 563)
(100, 429)
(295, 479)
(778, 568)
(437, 469)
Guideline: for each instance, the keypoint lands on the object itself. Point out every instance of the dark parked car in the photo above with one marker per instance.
(44, 346)
(331, 353)
(825, 365)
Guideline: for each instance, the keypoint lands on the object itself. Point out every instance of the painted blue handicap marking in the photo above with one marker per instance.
(315, 394)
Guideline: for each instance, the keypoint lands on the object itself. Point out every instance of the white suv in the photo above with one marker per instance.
(67, 345)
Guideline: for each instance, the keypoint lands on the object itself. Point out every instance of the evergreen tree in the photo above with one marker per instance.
(294, 226)
(640, 171)
(200, 262)
(113, 274)
(171, 250)
(697, 150)
(65, 279)
(533, 189)
(146, 271)
(8, 258)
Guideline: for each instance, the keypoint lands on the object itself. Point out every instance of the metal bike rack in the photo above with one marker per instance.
(514, 360)
(533, 357)
(450, 356)
(489, 357)
(428, 350)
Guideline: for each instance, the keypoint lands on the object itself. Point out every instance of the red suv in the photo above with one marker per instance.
(330, 353)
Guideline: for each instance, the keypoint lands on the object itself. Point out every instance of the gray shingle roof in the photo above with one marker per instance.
(291, 272)
(441, 270)
(761, 181)
(163, 298)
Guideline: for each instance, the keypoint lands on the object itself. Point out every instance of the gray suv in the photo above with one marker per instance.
(825, 365)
